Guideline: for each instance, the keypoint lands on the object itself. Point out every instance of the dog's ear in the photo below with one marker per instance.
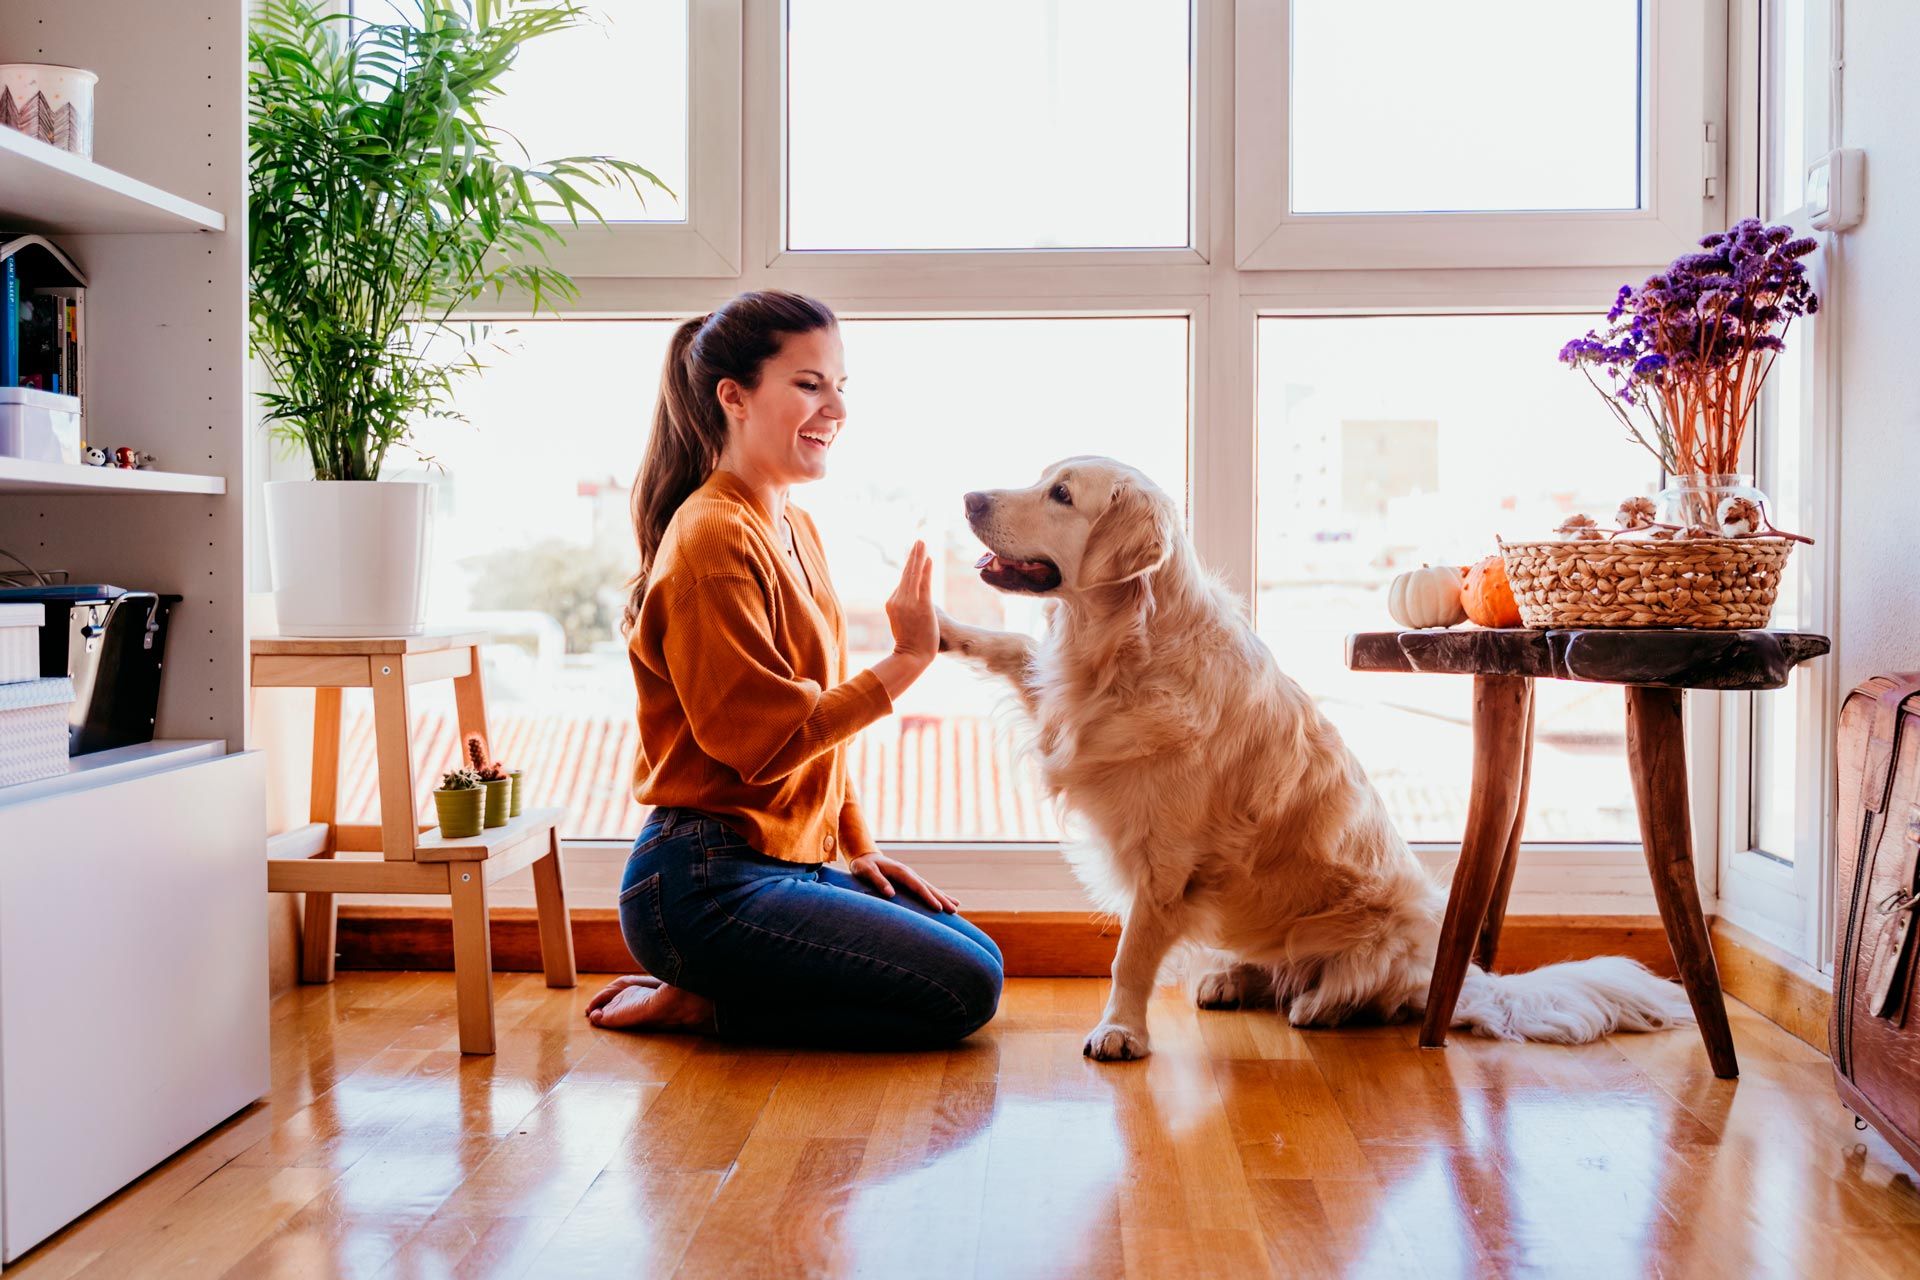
(1132, 537)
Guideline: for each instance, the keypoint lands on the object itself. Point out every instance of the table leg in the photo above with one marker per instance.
(1489, 947)
(1499, 746)
(472, 957)
(393, 758)
(470, 705)
(556, 929)
(318, 936)
(1657, 759)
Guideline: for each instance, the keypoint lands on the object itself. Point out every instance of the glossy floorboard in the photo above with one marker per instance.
(1242, 1147)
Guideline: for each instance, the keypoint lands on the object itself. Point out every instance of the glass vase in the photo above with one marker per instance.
(1693, 501)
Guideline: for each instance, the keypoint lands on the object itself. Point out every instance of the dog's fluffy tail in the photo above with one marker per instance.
(1570, 1003)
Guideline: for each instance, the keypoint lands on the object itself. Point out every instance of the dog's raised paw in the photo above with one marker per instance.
(1111, 1042)
(951, 640)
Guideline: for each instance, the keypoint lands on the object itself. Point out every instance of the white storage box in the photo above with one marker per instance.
(20, 641)
(39, 425)
(33, 729)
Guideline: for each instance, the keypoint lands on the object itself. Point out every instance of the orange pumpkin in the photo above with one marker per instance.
(1488, 596)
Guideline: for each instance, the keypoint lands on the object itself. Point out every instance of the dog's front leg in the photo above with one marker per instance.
(1149, 932)
(1007, 654)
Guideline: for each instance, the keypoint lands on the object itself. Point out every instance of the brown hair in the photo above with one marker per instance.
(689, 427)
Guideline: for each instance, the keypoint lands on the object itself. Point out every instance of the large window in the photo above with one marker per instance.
(633, 54)
(1431, 120)
(655, 82)
(1401, 133)
(1242, 246)
(998, 124)
(534, 542)
(1783, 439)
(1778, 746)
(1391, 442)
(1776, 739)
(938, 408)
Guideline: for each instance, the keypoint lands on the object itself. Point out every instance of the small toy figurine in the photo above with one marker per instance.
(94, 457)
(132, 459)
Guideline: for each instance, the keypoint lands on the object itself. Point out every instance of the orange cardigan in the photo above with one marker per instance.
(740, 667)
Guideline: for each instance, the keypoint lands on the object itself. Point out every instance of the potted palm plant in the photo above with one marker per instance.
(380, 202)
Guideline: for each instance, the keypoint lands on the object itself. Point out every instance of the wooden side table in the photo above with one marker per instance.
(1657, 667)
(414, 859)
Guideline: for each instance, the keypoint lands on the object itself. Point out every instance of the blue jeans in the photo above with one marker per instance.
(799, 954)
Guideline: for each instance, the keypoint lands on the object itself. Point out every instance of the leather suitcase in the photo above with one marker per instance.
(1874, 1033)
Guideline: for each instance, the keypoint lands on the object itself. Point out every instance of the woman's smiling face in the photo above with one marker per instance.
(782, 429)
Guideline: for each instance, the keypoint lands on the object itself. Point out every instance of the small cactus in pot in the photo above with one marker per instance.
(460, 804)
(494, 778)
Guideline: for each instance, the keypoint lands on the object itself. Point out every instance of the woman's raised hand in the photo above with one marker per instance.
(916, 631)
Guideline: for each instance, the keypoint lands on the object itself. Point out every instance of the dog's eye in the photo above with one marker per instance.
(1060, 495)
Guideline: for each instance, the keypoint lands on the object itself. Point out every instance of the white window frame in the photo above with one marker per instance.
(1682, 133)
(1791, 904)
(707, 241)
(1222, 301)
(767, 56)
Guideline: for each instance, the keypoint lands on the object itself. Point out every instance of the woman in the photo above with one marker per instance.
(737, 646)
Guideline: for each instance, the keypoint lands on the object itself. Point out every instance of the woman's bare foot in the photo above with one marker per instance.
(641, 1003)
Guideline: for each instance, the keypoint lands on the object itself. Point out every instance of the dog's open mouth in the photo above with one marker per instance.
(1017, 575)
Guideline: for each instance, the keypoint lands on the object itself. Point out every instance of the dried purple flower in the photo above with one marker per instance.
(1692, 345)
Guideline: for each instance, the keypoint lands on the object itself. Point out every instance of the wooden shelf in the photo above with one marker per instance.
(104, 768)
(492, 842)
(45, 189)
(20, 475)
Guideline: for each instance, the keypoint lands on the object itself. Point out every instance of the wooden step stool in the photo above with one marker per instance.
(414, 859)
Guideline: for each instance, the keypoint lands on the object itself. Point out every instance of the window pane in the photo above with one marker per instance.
(1388, 442)
(937, 408)
(1000, 124)
(1786, 91)
(534, 543)
(1775, 776)
(1499, 105)
(615, 86)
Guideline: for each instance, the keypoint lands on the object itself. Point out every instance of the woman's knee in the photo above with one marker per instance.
(975, 984)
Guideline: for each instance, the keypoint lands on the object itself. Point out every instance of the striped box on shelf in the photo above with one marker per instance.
(20, 641)
(33, 729)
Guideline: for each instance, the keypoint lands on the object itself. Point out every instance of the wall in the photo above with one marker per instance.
(1876, 270)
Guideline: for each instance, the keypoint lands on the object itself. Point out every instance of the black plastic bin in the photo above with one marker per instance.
(113, 643)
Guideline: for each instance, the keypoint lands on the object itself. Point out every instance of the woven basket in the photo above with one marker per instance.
(1715, 583)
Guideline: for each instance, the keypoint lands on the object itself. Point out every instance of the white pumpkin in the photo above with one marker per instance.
(1426, 597)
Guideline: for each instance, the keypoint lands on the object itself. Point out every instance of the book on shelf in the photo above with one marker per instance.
(9, 322)
(43, 326)
(67, 305)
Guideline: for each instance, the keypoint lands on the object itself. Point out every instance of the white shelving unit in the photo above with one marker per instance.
(45, 189)
(149, 860)
(23, 476)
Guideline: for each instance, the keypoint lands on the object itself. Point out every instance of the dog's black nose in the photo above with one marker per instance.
(977, 504)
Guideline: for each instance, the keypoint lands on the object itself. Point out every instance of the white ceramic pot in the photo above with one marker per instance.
(349, 556)
(53, 104)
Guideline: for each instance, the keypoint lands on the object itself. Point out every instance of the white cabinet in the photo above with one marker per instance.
(133, 971)
(133, 981)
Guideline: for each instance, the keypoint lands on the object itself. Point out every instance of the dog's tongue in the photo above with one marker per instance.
(987, 560)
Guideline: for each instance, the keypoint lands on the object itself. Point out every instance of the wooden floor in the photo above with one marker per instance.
(1241, 1147)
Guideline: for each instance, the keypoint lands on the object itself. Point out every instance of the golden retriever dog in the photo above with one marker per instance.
(1223, 809)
